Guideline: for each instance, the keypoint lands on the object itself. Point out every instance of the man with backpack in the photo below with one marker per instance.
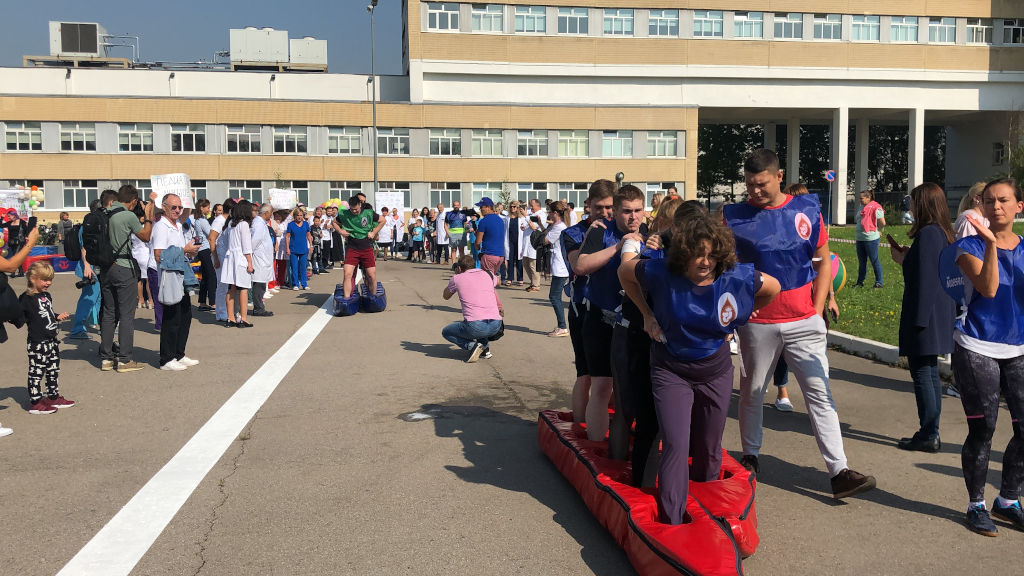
(89, 297)
(106, 238)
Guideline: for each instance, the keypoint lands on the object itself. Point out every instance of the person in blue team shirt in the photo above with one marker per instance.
(699, 295)
(988, 357)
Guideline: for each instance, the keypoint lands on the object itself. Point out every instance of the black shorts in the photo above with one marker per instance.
(597, 343)
(576, 336)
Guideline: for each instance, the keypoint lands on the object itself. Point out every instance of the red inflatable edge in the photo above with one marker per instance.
(723, 529)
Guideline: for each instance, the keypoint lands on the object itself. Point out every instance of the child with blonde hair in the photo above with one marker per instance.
(43, 349)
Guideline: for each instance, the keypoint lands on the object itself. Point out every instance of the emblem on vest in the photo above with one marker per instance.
(803, 225)
(364, 221)
(727, 309)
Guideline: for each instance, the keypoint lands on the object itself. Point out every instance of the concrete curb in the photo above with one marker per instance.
(877, 351)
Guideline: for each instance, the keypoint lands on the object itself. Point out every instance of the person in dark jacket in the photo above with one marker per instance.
(927, 314)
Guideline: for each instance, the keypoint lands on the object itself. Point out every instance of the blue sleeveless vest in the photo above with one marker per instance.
(576, 287)
(696, 319)
(604, 289)
(780, 241)
(999, 319)
(629, 311)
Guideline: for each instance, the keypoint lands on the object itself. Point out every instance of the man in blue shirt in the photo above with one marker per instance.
(490, 237)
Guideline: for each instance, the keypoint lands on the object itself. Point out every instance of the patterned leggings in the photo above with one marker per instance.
(980, 379)
(43, 364)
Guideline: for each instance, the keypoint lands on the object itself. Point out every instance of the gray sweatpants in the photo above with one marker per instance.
(803, 344)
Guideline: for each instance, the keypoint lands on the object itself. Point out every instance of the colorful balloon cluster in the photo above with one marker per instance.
(335, 203)
(34, 197)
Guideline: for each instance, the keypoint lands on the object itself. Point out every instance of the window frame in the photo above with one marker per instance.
(1013, 31)
(705, 18)
(532, 138)
(294, 137)
(492, 14)
(943, 26)
(335, 189)
(898, 25)
(976, 25)
(657, 137)
(435, 10)
(395, 186)
(249, 133)
(830, 23)
(625, 17)
(338, 134)
(188, 133)
(667, 18)
(482, 136)
(445, 193)
(133, 137)
(572, 142)
(619, 137)
(31, 131)
(574, 192)
(89, 190)
(743, 21)
(452, 137)
(788, 26)
(395, 140)
(872, 24)
(251, 190)
(480, 189)
(538, 15)
(526, 191)
(82, 132)
(573, 14)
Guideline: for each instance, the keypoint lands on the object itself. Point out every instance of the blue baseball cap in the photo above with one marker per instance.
(485, 201)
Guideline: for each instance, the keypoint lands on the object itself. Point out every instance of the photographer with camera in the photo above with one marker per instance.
(17, 231)
(481, 308)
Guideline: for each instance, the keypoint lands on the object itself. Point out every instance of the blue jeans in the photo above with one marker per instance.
(467, 333)
(298, 264)
(513, 269)
(924, 370)
(88, 310)
(868, 250)
(555, 297)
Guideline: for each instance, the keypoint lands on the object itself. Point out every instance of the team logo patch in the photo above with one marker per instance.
(803, 225)
(727, 309)
(364, 221)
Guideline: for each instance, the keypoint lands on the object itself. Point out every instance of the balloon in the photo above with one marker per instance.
(1, 241)
(35, 188)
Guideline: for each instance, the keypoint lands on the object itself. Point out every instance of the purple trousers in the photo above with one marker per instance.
(154, 288)
(692, 401)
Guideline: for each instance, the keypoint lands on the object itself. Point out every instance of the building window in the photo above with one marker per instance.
(617, 144)
(488, 18)
(445, 142)
(708, 23)
(533, 143)
(486, 143)
(866, 29)
(663, 23)
(78, 137)
(251, 190)
(573, 21)
(301, 188)
(828, 27)
(394, 141)
(573, 144)
(748, 25)
(244, 139)
(1013, 32)
(998, 154)
(656, 187)
(290, 139)
(942, 30)
(79, 193)
(445, 193)
(199, 186)
(618, 22)
(490, 189)
(443, 16)
(574, 192)
(135, 137)
(663, 143)
(24, 136)
(143, 186)
(979, 30)
(188, 138)
(789, 26)
(343, 190)
(402, 187)
(343, 140)
(527, 191)
(531, 19)
(903, 29)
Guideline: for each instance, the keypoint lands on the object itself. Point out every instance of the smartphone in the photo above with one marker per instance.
(835, 317)
(31, 224)
(892, 241)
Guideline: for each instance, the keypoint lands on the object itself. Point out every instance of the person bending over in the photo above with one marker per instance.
(481, 308)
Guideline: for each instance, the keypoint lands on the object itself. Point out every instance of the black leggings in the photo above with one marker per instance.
(980, 380)
(208, 285)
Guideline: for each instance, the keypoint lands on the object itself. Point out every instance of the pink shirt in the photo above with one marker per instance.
(476, 293)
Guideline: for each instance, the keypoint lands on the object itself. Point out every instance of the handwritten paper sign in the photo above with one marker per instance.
(283, 199)
(178, 184)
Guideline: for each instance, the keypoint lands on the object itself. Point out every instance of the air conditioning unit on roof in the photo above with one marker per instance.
(77, 39)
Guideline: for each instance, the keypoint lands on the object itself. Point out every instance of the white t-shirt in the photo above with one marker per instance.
(222, 240)
(554, 236)
(574, 218)
(165, 235)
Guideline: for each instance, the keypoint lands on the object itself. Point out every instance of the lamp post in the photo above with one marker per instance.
(373, 98)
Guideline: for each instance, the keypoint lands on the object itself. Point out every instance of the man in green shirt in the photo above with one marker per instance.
(359, 227)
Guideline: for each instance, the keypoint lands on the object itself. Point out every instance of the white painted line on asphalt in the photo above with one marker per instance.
(118, 547)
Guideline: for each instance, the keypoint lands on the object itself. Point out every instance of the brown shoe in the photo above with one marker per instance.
(132, 366)
(848, 483)
(107, 365)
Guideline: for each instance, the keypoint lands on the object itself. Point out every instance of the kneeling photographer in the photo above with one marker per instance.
(481, 309)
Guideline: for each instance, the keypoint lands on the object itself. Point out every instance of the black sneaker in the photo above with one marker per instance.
(980, 522)
(918, 444)
(1012, 514)
(475, 352)
(749, 462)
(848, 482)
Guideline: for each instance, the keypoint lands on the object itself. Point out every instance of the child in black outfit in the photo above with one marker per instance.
(43, 349)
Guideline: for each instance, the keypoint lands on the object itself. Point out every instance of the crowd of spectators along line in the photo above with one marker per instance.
(758, 272)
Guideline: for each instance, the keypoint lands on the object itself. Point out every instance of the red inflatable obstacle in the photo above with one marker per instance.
(723, 529)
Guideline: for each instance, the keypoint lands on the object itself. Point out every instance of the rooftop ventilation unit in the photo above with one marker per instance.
(252, 46)
(77, 39)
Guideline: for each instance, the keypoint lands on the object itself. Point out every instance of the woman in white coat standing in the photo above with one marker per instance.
(262, 258)
(237, 267)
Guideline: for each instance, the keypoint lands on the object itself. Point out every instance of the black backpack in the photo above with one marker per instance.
(72, 246)
(96, 239)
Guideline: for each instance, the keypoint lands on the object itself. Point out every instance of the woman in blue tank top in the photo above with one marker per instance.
(988, 358)
(699, 295)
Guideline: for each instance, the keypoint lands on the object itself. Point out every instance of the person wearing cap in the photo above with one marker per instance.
(490, 237)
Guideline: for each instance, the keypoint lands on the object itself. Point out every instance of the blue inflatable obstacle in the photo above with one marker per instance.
(372, 302)
(345, 306)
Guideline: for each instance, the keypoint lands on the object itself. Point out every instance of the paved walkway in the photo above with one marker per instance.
(332, 475)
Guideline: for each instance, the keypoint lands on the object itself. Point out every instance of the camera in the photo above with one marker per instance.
(85, 282)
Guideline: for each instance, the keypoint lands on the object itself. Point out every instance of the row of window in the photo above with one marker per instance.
(79, 193)
(444, 17)
(246, 139)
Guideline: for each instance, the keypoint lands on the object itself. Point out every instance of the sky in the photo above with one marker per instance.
(190, 30)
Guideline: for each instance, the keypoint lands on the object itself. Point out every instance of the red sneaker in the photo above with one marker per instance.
(61, 402)
(41, 407)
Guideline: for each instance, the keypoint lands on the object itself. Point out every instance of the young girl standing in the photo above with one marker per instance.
(43, 349)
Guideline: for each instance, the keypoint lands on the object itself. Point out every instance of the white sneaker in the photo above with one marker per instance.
(268, 296)
(186, 361)
(6, 432)
(295, 288)
(174, 365)
(783, 405)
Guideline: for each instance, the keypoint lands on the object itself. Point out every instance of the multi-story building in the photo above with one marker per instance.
(537, 99)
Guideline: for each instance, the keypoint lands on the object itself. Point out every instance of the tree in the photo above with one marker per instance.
(723, 147)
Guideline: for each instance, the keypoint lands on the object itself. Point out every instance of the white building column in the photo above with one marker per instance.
(915, 155)
(840, 156)
(862, 152)
(793, 151)
(771, 141)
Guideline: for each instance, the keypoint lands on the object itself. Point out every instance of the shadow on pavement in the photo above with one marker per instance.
(502, 451)
(17, 393)
(435, 350)
(524, 329)
(994, 476)
(879, 382)
(436, 307)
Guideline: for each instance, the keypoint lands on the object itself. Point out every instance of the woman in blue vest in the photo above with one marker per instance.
(699, 295)
(988, 358)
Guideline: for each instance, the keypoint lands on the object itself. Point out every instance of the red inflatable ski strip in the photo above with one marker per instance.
(723, 529)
